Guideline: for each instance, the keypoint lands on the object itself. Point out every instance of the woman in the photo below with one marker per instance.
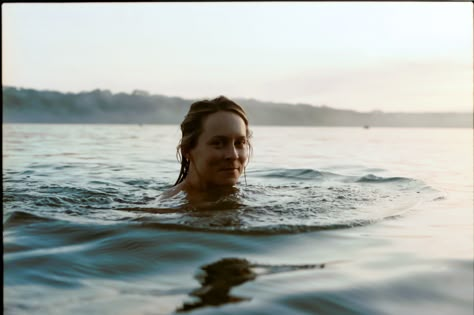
(213, 150)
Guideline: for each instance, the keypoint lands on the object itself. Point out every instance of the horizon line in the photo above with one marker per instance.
(147, 93)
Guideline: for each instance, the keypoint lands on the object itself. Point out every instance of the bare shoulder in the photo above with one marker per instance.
(171, 192)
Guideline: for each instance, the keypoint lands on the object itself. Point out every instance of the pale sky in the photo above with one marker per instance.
(364, 56)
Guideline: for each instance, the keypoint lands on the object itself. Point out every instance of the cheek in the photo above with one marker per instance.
(244, 155)
(211, 157)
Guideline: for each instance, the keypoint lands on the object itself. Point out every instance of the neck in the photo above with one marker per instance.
(203, 192)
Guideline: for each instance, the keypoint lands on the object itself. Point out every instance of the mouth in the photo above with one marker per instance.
(229, 169)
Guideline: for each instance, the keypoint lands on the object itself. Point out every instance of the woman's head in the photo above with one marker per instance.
(214, 147)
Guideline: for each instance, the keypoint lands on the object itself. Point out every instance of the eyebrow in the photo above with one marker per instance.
(221, 137)
(227, 137)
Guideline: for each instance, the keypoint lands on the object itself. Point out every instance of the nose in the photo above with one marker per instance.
(231, 153)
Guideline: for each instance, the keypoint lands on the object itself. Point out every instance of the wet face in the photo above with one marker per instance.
(221, 152)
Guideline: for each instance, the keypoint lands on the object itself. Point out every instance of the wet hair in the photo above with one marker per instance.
(192, 127)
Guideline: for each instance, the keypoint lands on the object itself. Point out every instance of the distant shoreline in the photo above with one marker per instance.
(253, 125)
(103, 107)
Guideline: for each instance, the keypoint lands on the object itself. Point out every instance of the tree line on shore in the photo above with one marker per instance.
(21, 105)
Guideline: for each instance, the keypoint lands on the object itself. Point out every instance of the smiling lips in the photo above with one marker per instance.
(229, 169)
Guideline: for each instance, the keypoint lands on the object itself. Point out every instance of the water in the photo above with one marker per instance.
(328, 221)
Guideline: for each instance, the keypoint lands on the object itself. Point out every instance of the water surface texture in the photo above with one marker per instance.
(326, 221)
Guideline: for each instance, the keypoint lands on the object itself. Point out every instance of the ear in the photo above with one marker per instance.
(186, 156)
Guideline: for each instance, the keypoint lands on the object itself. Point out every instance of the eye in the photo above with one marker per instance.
(217, 143)
(240, 143)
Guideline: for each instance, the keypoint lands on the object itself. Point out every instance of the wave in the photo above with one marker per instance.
(310, 174)
(290, 173)
(319, 200)
(376, 179)
(15, 218)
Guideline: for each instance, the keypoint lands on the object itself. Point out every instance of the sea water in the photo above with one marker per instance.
(325, 221)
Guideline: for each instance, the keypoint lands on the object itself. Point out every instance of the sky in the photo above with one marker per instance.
(363, 56)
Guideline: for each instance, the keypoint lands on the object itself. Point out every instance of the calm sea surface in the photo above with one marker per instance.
(327, 221)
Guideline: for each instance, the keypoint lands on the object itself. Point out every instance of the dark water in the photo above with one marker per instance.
(335, 221)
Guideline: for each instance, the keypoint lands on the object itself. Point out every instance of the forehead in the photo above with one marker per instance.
(224, 123)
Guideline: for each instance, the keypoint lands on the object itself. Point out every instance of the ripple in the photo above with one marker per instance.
(333, 203)
(16, 218)
(322, 201)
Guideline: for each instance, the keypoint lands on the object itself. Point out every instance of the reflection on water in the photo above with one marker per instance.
(218, 278)
(217, 281)
(85, 231)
